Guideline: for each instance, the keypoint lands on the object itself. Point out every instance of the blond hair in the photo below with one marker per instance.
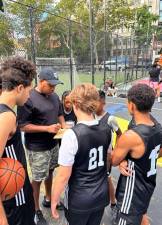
(85, 97)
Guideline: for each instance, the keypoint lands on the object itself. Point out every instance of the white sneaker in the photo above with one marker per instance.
(159, 99)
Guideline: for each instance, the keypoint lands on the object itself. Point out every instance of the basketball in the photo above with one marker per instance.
(12, 177)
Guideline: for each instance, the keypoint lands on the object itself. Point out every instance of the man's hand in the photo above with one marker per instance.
(54, 128)
(54, 211)
(124, 170)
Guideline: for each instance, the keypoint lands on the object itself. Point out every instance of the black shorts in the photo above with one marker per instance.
(124, 219)
(93, 218)
(21, 215)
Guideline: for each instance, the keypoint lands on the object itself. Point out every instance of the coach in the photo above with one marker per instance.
(40, 118)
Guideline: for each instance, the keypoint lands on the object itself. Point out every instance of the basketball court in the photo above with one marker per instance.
(118, 107)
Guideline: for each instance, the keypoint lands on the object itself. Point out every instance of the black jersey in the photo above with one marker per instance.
(14, 149)
(132, 123)
(134, 193)
(69, 116)
(104, 119)
(88, 188)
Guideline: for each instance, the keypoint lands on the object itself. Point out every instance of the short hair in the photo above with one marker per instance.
(102, 94)
(86, 97)
(142, 96)
(65, 94)
(15, 71)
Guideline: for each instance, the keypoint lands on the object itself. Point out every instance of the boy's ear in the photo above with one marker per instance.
(20, 88)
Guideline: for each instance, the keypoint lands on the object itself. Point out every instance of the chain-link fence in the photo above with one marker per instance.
(78, 52)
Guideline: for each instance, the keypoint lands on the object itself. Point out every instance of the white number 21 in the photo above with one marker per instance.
(153, 157)
(93, 163)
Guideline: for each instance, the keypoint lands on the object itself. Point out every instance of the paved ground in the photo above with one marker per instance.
(117, 107)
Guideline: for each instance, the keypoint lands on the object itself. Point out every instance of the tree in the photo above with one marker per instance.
(145, 25)
(19, 17)
(6, 40)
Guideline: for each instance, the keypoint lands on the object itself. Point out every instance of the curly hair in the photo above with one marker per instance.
(16, 71)
(86, 97)
(142, 96)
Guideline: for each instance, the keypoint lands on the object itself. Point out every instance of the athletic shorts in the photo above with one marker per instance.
(21, 215)
(124, 219)
(93, 218)
(41, 163)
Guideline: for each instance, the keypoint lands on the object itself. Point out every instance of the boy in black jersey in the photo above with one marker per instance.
(17, 75)
(139, 147)
(106, 118)
(83, 162)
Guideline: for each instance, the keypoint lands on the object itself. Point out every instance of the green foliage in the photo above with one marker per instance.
(119, 14)
(6, 40)
(145, 25)
(52, 26)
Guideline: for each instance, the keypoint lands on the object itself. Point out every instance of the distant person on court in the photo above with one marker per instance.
(136, 152)
(83, 162)
(41, 118)
(17, 75)
(155, 78)
(106, 118)
(68, 111)
(112, 90)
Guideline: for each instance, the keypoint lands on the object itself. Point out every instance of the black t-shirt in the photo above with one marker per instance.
(69, 116)
(40, 110)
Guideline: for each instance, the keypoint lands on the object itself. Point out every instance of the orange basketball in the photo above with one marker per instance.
(12, 177)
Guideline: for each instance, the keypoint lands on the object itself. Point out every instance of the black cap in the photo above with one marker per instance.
(49, 75)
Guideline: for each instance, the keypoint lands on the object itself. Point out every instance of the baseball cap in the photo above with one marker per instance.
(49, 75)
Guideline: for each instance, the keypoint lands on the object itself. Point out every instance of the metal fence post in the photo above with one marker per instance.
(91, 39)
(33, 51)
(116, 59)
(104, 41)
(126, 60)
(70, 53)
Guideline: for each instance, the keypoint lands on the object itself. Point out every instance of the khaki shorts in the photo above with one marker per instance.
(42, 162)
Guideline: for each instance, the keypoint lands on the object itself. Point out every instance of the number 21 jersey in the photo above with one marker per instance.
(88, 187)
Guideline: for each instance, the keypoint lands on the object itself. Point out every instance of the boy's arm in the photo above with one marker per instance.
(160, 153)
(67, 152)
(6, 118)
(123, 146)
(61, 180)
(3, 219)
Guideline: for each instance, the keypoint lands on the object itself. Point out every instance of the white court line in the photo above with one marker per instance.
(115, 103)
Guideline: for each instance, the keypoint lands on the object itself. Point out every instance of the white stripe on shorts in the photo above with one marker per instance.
(128, 189)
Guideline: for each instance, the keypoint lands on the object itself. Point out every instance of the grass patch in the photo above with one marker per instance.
(86, 77)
